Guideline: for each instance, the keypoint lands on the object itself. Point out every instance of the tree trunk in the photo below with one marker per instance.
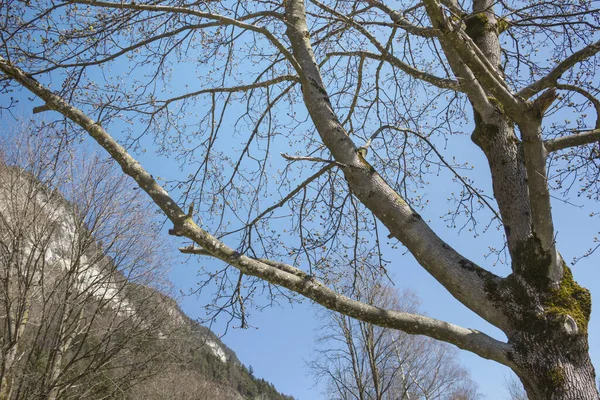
(548, 332)
(546, 318)
(556, 367)
(7, 367)
(551, 339)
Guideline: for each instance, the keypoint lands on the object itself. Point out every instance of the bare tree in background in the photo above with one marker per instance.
(515, 389)
(73, 319)
(358, 360)
(370, 101)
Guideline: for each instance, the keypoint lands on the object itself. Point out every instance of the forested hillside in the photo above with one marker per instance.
(84, 306)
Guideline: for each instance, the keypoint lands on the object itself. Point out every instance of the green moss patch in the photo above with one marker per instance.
(503, 25)
(570, 299)
(556, 376)
(477, 25)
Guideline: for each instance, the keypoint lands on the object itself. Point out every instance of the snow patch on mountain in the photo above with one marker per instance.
(217, 350)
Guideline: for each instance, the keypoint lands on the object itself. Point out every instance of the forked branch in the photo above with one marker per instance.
(550, 79)
(404, 23)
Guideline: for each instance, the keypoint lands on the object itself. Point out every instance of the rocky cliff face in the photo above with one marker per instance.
(81, 314)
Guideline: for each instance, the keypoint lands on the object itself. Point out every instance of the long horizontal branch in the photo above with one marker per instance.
(231, 89)
(579, 139)
(416, 324)
(271, 271)
(553, 76)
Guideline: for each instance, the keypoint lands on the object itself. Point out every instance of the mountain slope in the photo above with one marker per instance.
(81, 310)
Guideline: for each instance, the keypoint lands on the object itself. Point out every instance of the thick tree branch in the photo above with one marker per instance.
(274, 272)
(579, 139)
(553, 76)
(537, 182)
(468, 339)
(462, 278)
(469, 83)
(541, 209)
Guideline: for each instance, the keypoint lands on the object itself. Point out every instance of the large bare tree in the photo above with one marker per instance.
(362, 96)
